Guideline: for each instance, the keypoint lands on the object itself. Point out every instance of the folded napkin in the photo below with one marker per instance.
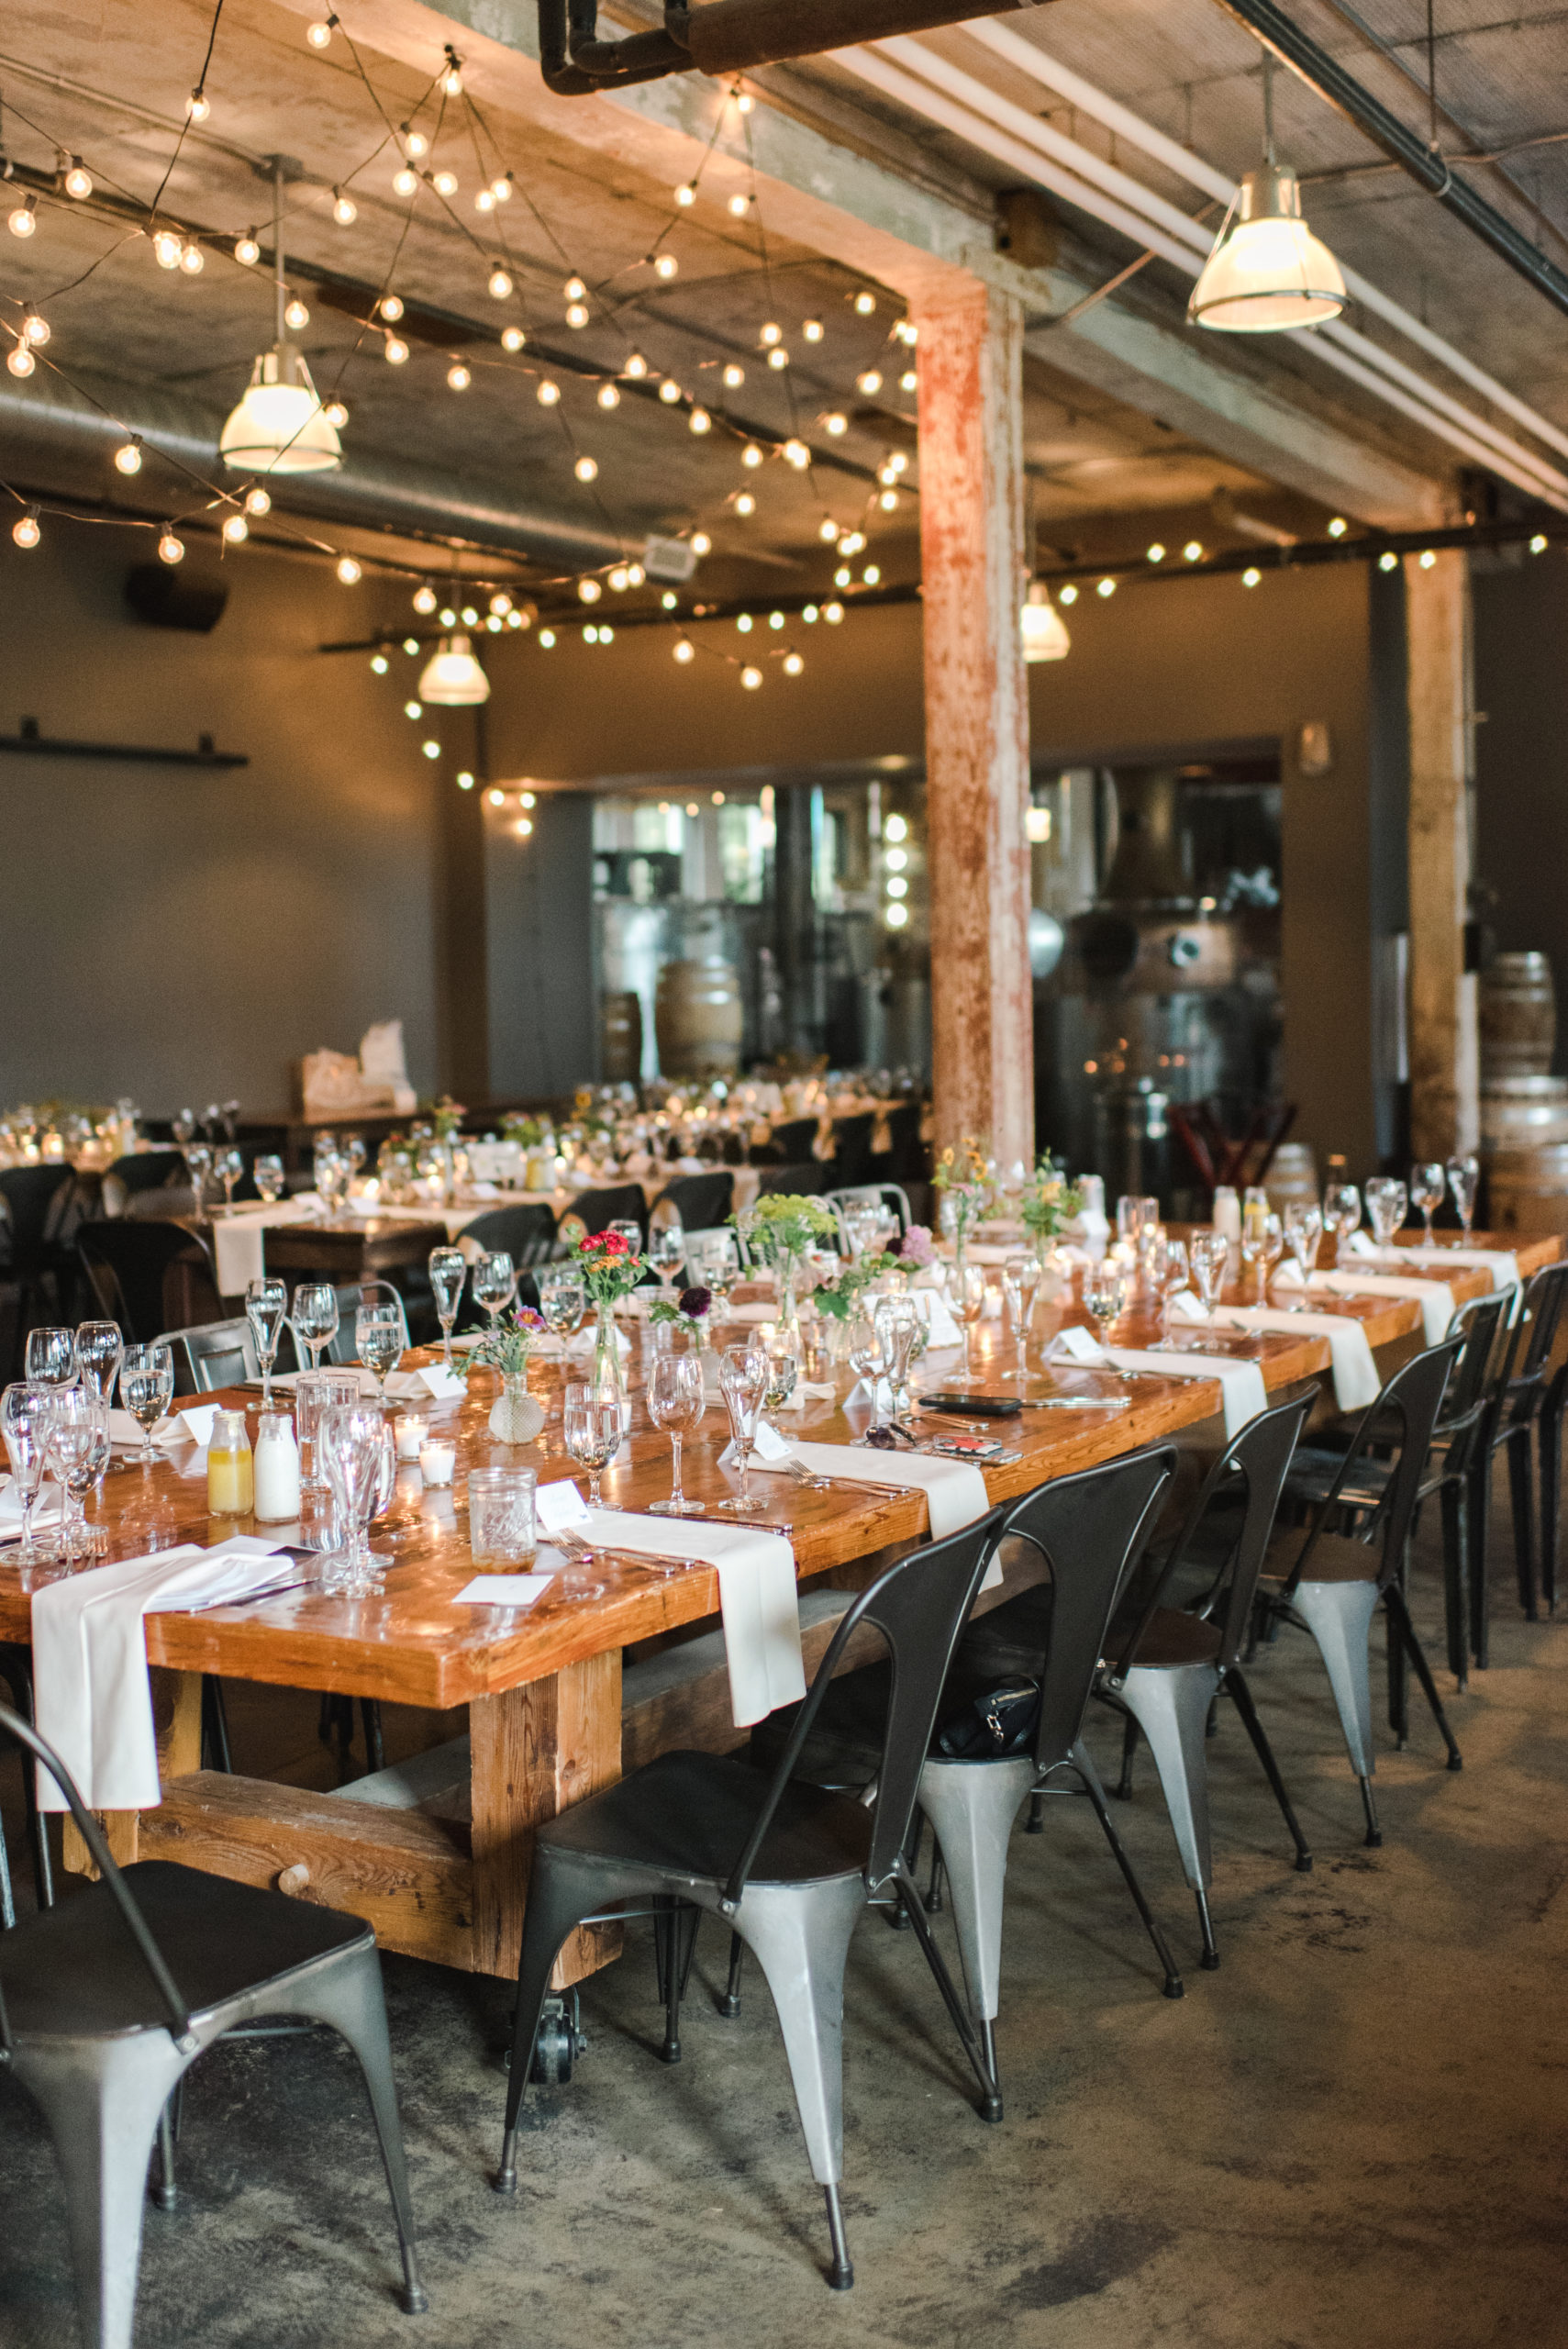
(47, 1510)
(1434, 1298)
(1242, 1392)
(1356, 1381)
(93, 1697)
(1501, 1263)
(435, 1382)
(240, 1245)
(191, 1425)
(288, 1379)
(955, 1489)
(756, 1596)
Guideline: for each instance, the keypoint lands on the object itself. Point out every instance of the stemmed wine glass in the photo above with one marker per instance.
(51, 1357)
(666, 1253)
(360, 1460)
(592, 1429)
(314, 1317)
(378, 1341)
(267, 1173)
(25, 1415)
(867, 1359)
(1463, 1173)
(563, 1298)
(99, 1351)
(628, 1228)
(1171, 1271)
(742, 1382)
(898, 1325)
(495, 1285)
(675, 1403)
(78, 1452)
(966, 1288)
(266, 1303)
(1210, 1253)
(228, 1167)
(147, 1389)
(1020, 1279)
(449, 1270)
(1429, 1181)
(1386, 1204)
(1104, 1294)
(1342, 1214)
(1303, 1231)
(1262, 1244)
(199, 1162)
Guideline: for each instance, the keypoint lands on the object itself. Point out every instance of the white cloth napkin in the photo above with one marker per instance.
(1434, 1298)
(47, 1510)
(955, 1489)
(192, 1424)
(1242, 1392)
(435, 1384)
(756, 1596)
(93, 1695)
(239, 1243)
(1356, 1381)
(1501, 1263)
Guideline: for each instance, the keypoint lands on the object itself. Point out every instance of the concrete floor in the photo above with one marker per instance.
(1353, 2131)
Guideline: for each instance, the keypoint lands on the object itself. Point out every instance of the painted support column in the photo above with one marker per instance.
(971, 370)
(1444, 1063)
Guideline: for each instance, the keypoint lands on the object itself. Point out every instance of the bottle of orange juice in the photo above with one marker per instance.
(230, 1471)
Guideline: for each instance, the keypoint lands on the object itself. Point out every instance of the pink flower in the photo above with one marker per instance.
(918, 1247)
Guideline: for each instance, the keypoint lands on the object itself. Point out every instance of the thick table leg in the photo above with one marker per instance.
(177, 1719)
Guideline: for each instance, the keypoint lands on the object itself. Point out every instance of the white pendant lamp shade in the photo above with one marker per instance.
(1042, 626)
(452, 678)
(280, 425)
(1267, 272)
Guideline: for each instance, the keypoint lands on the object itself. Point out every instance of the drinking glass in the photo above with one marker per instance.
(1020, 1279)
(1342, 1214)
(675, 1403)
(897, 1327)
(495, 1285)
(592, 1429)
(563, 1298)
(502, 1528)
(316, 1392)
(267, 1173)
(667, 1253)
(742, 1382)
(719, 1264)
(1386, 1204)
(1173, 1272)
(314, 1317)
(25, 1413)
(327, 1167)
(147, 1389)
(966, 1288)
(866, 1357)
(50, 1359)
(1429, 1181)
(1104, 1293)
(1262, 1244)
(1303, 1231)
(782, 1360)
(378, 1341)
(266, 1303)
(1210, 1253)
(1463, 1173)
(78, 1452)
(355, 1442)
(228, 1167)
(99, 1350)
(199, 1162)
(1132, 1213)
(182, 1128)
(629, 1229)
(449, 1270)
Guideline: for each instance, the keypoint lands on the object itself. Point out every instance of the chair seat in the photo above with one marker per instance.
(1173, 1639)
(1313, 1471)
(74, 1970)
(1335, 1558)
(690, 1814)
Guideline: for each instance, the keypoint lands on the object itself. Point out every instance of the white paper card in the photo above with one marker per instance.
(444, 1385)
(196, 1421)
(1076, 1344)
(504, 1591)
(560, 1504)
(943, 1330)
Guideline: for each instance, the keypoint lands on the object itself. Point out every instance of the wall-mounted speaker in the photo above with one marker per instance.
(165, 598)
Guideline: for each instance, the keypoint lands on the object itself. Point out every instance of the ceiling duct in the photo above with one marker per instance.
(727, 36)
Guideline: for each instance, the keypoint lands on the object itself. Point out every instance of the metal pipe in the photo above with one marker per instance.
(1425, 165)
(723, 37)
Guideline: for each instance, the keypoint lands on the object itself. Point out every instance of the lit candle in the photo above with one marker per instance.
(412, 1431)
(437, 1458)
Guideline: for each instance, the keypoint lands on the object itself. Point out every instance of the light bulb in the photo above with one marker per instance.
(451, 81)
(872, 575)
(413, 710)
(458, 377)
(35, 329)
(734, 377)
(576, 313)
(906, 334)
(744, 102)
(586, 469)
(247, 251)
(448, 619)
(909, 380)
(574, 289)
(171, 550)
(431, 750)
(500, 285)
(827, 529)
(379, 664)
(470, 617)
(888, 501)
(685, 194)
(424, 597)
(738, 206)
(1106, 587)
(1250, 577)
(235, 530)
(165, 247)
(484, 201)
(345, 211)
(197, 106)
(812, 330)
(337, 414)
(701, 543)
(797, 454)
(1338, 527)
(465, 781)
(832, 614)
(635, 574)
(296, 316)
(319, 34)
(589, 591)
(606, 635)
(744, 625)
(78, 183)
(608, 396)
(500, 604)
(779, 358)
(445, 182)
(1192, 551)
(21, 223)
(1155, 553)
(496, 798)
(518, 619)
(745, 503)
(666, 266)
(870, 382)
(751, 678)
(852, 542)
(411, 645)
(548, 392)
(1384, 562)
(1069, 594)
(864, 304)
(685, 651)
(636, 367)
(546, 640)
(20, 361)
(775, 619)
(348, 571)
(1267, 272)
(670, 391)
(501, 187)
(809, 613)
(25, 532)
(792, 664)
(751, 455)
(895, 916)
(843, 575)
(619, 579)
(397, 350)
(513, 339)
(257, 500)
(700, 421)
(836, 424)
(405, 183)
(127, 457)
(193, 260)
(416, 141)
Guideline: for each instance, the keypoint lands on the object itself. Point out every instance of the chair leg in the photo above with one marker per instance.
(972, 1807)
(731, 2003)
(1129, 1748)
(1241, 1697)
(672, 1948)
(1171, 1710)
(1523, 1500)
(1402, 1628)
(1396, 1669)
(16, 1670)
(1035, 1823)
(1453, 1503)
(1480, 1514)
(1174, 1988)
(1550, 1440)
(375, 1743)
(215, 1754)
(980, 2046)
(1338, 1615)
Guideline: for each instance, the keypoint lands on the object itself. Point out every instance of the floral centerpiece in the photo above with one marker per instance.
(516, 1418)
(918, 1249)
(611, 1268)
(839, 1298)
(963, 1178)
(689, 1311)
(781, 1229)
(1048, 1202)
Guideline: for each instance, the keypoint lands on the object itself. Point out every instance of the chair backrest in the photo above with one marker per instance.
(852, 1146)
(1482, 1324)
(919, 1606)
(35, 1201)
(527, 1233)
(126, 1264)
(1538, 1316)
(149, 1170)
(810, 1179)
(1091, 1528)
(905, 1159)
(213, 1354)
(344, 1346)
(793, 1139)
(597, 1210)
(1258, 1456)
(700, 1200)
(1414, 1396)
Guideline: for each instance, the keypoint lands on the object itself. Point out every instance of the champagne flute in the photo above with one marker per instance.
(1210, 1254)
(78, 1452)
(378, 1341)
(449, 1270)
(1386, 1204)
(229, 1166)
(1342, 1214)
(1428, 1182)
(25, 1412)
(266, 1303)
(743, 1381)
(147, 1389)
(99, 1351)
(314, 1317)
(1020, 1279)
(1173, 1272)
(967, 1288)
(1303, 1231)
(675, 1403)
(592, 1430)
(51, 1357)
(1262, 1243)
(1463, 1173)
(495, 1285)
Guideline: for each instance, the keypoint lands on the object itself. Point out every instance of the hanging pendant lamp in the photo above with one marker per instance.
(1042, 626)
(1267, 272)
(452, 678)
(280, 425)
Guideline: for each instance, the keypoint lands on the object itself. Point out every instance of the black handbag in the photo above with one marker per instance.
(1002, 1721)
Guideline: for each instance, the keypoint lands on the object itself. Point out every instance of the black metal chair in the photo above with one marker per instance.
(37, 1201)
(147, 1169)
(700, 1200)
(127, 1264)
(787, 1143)
(1331, 1586)
(17, 1671)
(528, 1235)
(1170, 1663)
(1520, 1406)
(790, 1868)
(808, 1179)
(107, 2000)
(596, 1211)
(213, 1354)
(852, 1150)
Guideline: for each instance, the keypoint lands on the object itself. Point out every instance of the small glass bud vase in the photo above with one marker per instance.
(515, 1416)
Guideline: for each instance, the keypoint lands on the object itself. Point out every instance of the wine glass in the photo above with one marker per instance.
(1210, 1253)
(1104, 1293)
(314, 1317)
(1342, 1214)
(1463, 1173)
(51, 1357)
(966, 1288)
(448, 1270)
(266, 1303)
(563, 1298)
(147, 1389)
(897, 1327)
(675, 1403)
(666, 1252)
(719, 1264)
(198, 1160)
(378, 1341)
(182, 1128)
(742, 1382)
(628, 1228)
(1020, 1279)
(267, 1173)
(25, 1412)
(1173, 1272)
(866, 1357)
(354, 1443)
(1429, 1181)
(592, 1429)
(1303, 1231)
(495, 1285)
(1386, 1205)
(228, 1167)
(99, 1350)
(1132, 1213)
(1262, 1244)
(78, 1452)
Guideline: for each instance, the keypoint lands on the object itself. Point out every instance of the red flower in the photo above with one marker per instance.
(611, 1243)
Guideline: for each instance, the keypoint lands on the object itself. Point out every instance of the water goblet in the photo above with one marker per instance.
(1209, 1251)
(448, 1270)
(495, 1285)
(1463, 1174)
(1428, 1182)
(742, 1382)
(1386, 1204)
(78, 1452)
(1173, 1274)
(675, 1404)
(147, 1389)
(25, 1418)
(1303, 1222)
(1262, 1244)
(51, 1357)
(99, 1351)
(378, 1341)
(1342, 1214)
(266, 1303)
(593, 1433)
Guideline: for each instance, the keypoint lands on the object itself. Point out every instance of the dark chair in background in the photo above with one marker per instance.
(596, 1211)
(789, 1141)
(35, 1255)
(213, 1354)
(146, 1170)
(1522, 1404)
(808, 1178)
(700, 1200)
(528, 1235)
(146, 1276)
(850, 1164)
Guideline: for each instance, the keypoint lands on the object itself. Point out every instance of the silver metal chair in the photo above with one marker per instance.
(870, 1195)
(213, 1354)
(107, 2000)
(344, 1346)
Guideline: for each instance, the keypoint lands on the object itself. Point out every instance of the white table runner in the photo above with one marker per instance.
(1356, 1381)
(756, 1596)
(1501, 1263)
(1434, 1298)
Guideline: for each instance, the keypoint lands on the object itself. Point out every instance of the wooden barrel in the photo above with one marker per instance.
(1518, 1017)
(697, 1019)
(1523, 1113)
(1292, 1176)
(620, 1038)
(1528, 1190)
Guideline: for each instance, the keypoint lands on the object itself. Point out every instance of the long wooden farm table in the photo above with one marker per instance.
(551, 1716)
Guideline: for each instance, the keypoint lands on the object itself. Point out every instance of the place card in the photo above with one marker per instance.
(766, 1445)
(443, 1384)
(558, 1507)
(1075, 1345)
(504, 1591)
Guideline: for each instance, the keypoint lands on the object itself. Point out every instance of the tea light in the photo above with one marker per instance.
(412, 1432)
(437, 1458)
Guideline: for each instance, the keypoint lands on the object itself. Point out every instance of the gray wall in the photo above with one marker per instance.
(1521, 756)
(543, 1004)
(179, 934)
